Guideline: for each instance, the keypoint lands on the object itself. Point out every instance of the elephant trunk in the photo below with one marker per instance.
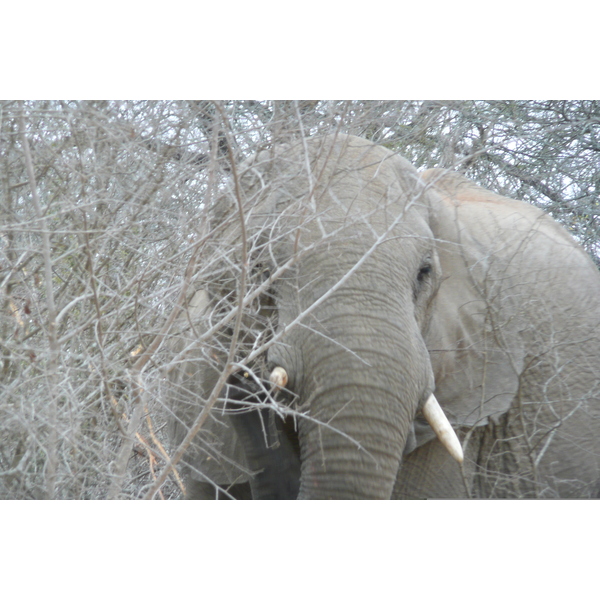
(362, 392)
(340, 460)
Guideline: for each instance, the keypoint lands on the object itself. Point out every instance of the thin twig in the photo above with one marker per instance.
(51, 373)
(229, 366)
(137, 388)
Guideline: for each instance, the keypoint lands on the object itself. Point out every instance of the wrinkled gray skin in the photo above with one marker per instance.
(454, 289)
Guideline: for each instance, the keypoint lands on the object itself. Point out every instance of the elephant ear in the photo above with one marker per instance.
(492, 252)
(215, 455)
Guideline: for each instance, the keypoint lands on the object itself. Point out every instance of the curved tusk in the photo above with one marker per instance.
(278, 377)
(435, 416)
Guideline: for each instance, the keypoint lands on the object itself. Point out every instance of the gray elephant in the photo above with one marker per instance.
(426, 338)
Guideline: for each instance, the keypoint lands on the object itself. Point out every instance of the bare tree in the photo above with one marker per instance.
(111, 231)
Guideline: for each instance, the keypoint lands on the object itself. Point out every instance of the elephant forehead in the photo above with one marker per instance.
(337, 178)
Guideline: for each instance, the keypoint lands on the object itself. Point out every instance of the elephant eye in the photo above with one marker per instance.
(424, 272)
(261, 272)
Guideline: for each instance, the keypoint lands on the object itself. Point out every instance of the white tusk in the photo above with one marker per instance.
(278, 377)
(435, 416)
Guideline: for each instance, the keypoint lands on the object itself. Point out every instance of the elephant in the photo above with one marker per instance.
(422, 337)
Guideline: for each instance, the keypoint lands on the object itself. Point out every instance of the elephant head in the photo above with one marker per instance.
(381, 286)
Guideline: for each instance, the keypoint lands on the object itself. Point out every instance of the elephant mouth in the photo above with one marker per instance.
(269, 439)
(289, 430)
